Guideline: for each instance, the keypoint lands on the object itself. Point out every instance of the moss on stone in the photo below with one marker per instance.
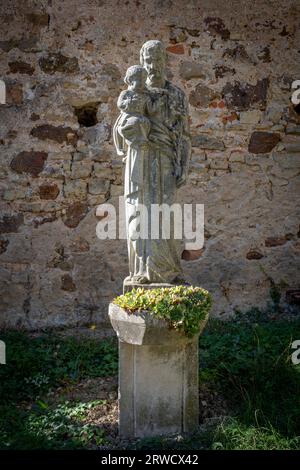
(183, 307)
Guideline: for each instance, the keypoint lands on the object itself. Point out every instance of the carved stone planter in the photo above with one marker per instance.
(158, 375)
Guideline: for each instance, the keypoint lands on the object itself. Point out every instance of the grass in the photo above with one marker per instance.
(246, 360)
(234, 435)
(34, 365)
(49, 427)
(35, 368)
(250, 363)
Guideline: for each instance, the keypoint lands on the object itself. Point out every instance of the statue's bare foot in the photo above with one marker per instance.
(140, 279)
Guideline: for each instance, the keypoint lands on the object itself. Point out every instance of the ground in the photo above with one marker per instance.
(59, 390)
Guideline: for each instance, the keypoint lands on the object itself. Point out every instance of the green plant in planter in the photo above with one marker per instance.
(183, 307)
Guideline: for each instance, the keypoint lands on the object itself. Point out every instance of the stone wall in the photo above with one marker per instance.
(63, 63)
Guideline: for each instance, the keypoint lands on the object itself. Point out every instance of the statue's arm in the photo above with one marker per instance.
(119, 141)
(117, 137)
(123, 100)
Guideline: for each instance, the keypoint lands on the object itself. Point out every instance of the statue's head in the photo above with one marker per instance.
(136, 77)
(153, 59)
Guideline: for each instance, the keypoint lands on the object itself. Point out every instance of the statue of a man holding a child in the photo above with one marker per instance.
(152, 135)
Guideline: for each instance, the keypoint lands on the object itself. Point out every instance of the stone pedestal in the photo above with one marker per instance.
(158, 376)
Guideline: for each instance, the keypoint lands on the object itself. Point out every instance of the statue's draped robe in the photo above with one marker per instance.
(150, 179)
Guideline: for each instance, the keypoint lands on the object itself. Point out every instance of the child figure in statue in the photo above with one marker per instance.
(130, 133)
(132, 123)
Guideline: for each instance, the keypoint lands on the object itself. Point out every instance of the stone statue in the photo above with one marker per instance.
(152, 135)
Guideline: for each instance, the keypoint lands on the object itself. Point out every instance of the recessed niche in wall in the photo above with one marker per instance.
(87, 114)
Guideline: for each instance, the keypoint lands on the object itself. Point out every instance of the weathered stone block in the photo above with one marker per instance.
(158, 376)
(14, 93)
(292, 147)
(111, 70)
(20, 67)
(11, 223)
(293, 129)
(59, 134)
(39, 19)
(75, 188)
(3, 245)
(196, 167)
(98, 186)
(97, 134)
(67, 283)
(44, 219)
(189, 70)
(242, 96)
(13, 194)
(29, 44)
(202, 95)
(254, 254)
(48, 191)
(206, 142)
(218, 162)
(176, 49)
(215, 27)
(288, 161)
(237, 156)
(263, 142)
(74, 214)
(57, 62)
(29, 162)
(250, 117)
(81, 170)
(103, 170)
(275, 241)
(192, 255)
